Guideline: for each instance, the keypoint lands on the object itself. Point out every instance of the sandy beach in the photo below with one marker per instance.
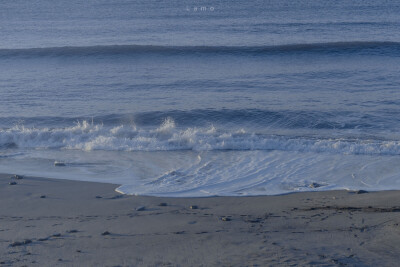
(51, 222)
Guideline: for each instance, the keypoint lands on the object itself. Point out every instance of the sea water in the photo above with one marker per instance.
(202, 98)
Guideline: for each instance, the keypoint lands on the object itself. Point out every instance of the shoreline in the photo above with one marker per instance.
(48, 222)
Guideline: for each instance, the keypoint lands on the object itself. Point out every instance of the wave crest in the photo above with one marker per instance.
(89, 136)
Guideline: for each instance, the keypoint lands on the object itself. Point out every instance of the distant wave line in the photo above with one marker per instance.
(298, 119)
(159, 49)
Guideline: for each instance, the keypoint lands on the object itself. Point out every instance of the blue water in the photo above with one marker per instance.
(200, 98)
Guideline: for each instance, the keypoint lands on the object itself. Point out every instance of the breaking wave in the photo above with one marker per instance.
(168, 137)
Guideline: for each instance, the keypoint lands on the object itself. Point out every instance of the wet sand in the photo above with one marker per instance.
(51, 222)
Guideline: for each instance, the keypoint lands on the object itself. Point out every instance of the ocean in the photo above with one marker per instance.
(202, 98)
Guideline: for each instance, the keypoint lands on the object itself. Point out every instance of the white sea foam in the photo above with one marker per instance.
(184, 173)
(228, 173)
(168, 137)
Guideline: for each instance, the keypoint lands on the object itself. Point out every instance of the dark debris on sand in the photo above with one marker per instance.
(18, 243)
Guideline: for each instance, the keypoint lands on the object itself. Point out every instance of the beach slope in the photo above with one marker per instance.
(52, 222)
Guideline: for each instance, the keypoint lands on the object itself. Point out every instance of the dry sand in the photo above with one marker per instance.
(49, 222)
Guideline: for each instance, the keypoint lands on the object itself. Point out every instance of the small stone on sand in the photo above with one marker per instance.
(105, 233)
(59, 164)
(141, 208)
(225, 219)
(179, 232)
(42, 196)
(162, 204)
(12, 183)
(314, 185)
(361, 192)
(18, 177)
(99, 197)
(17, 243)
(193, 207)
